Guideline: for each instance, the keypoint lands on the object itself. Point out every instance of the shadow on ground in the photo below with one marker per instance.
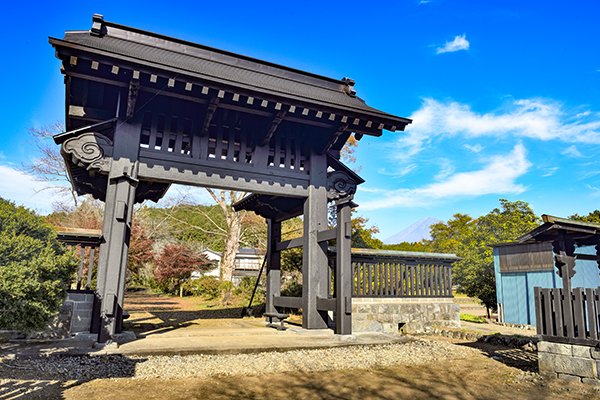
(47, 377)
(525, 360)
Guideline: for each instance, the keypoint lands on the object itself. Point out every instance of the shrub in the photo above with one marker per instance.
(292, 289)
(175, 265)
(207, 286)
(246, 287)
(35, 269)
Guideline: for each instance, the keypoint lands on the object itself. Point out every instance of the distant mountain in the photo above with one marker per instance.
(414, 233)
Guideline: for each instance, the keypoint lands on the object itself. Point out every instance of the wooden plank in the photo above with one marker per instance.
(558, 312)
(411, 270)
(231, 142)
(568, 313)
(596, 300)
(370, 279)
(325, 304)
(80, 270)
(396, 280)
(592, 313)
(219, 143)
(324, 236)
(90, 270)
(539, 322)
(548, 318)
(289, 244)
(287, 301)
(578, 313)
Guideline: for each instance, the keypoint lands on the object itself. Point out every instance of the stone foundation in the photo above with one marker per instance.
(408, 315)
(81, 303)
(569, 361)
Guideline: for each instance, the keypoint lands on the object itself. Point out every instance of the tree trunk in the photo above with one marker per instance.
(231, 247)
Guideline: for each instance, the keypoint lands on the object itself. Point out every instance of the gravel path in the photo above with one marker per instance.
(419, 351)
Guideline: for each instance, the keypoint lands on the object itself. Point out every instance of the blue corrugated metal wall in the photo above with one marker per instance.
(515, 290)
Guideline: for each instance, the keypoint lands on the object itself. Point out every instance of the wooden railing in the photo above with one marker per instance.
(568, 317)
(380, 273)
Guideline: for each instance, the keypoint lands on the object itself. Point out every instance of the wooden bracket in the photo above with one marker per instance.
(210, 111)
(273, 128)
(340, 131)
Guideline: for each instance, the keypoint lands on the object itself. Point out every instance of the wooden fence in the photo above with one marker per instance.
(572, 318)
(380, 273)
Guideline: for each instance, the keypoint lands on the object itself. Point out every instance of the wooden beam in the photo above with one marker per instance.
(289, 244)
(210, 111)
(89, 113)
(325, 304)
(273, 128)
(287, 302)
(324, 236)
(134, 88)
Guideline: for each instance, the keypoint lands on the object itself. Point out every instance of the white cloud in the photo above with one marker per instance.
(550, 171)
(398, 172)
(476, 148)
(572, 151)
(530, 118)
(24, 189)
(459, 43)
(498, 177)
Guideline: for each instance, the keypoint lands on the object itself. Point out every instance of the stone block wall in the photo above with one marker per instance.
(82, 303)
(569, 361)
(410, 315)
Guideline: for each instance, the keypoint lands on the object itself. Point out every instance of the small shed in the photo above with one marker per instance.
(521, 266)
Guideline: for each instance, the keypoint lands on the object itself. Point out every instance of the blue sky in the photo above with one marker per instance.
(504, 94)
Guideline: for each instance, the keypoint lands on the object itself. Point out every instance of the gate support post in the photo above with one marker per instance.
(314, 254)
(273, 264)
(116, 229)
(343, 269)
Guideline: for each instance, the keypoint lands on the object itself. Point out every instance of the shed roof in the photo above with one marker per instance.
(584, 233)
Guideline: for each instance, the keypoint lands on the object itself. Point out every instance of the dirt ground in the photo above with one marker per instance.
(479, 377)
(489, 372)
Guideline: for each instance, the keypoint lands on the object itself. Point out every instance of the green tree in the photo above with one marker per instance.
(35, 270)
(593, 217)
(472, 239)
(362, 235)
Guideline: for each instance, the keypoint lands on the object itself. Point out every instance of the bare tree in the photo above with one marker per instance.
(49, 167)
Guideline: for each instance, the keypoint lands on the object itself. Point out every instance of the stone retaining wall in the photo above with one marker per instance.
(409, 315)
(569, 361)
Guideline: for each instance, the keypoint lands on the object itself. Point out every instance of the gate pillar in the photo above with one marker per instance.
(116, 229)
(273, 264)
(314, 254)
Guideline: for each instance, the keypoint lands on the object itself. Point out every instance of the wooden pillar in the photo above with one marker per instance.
(314, 254)
(116, 232)
(343, 269)
(273, 264)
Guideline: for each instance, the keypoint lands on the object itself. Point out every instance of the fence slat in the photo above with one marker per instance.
(557, 299)
(579, 315)
(90, 270)
(568, 313)
(370, 281)
(549, 328)
(592, 313)
(539, 318)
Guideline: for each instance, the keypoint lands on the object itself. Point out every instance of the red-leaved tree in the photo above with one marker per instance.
(175, 265)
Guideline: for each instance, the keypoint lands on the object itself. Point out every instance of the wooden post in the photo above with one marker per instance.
(314, 254)
(343, 269)
(273, 264)
(116, 232)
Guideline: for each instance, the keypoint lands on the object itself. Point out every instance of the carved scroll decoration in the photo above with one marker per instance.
(340, 185)
(88, 151)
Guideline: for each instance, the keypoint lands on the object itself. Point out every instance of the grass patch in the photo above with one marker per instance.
(472, 318)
